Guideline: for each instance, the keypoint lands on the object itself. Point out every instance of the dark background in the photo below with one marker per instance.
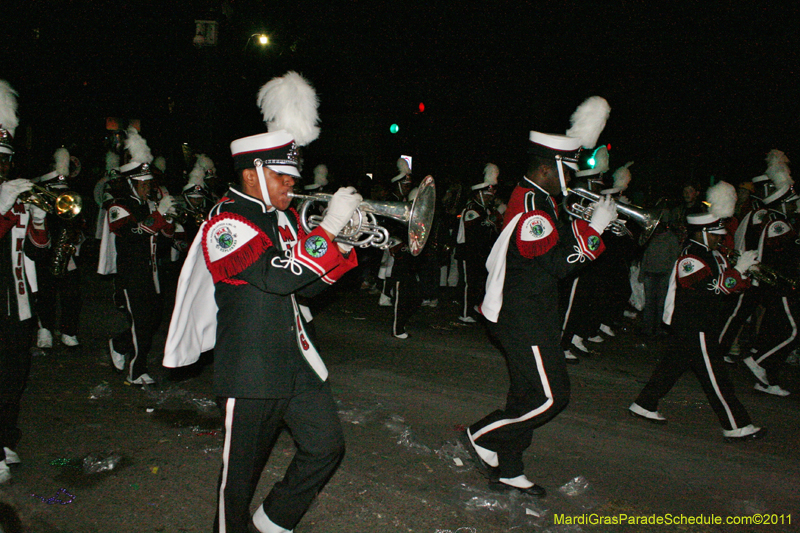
(696, 89)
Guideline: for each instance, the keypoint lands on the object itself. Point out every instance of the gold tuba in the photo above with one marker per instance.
(363, 229)
(648, 219)
(66, 205)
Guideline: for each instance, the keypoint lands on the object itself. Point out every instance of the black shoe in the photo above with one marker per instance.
(537, 491)
(492, 473)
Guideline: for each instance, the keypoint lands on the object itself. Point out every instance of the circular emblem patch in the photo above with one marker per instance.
(316, 246)
(779, 228)
(730, 283)
(224, 238)
(593, 242)
(688, 267)
(537, 230)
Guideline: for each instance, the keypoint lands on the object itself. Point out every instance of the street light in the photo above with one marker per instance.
(261, 38)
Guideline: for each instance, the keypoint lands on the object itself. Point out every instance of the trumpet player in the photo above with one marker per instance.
(135, 223)
(536, 248)
(23, 237)
(59, 275)
(700, 289)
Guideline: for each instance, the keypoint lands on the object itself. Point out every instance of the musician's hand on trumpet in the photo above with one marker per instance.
(341, 207)
(746, 261)
(604, 212)
(9, 190)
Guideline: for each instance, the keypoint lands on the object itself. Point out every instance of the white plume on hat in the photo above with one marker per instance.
(8, 108)
(402, 167)
(722, 199)
(290, 103)
(622, 176)
(321, 175)
(778, 169)
(588, 120)
(490, 173)
(198, 173)
(62, 161)
(160, 163)
(137, 147)
(112, 161)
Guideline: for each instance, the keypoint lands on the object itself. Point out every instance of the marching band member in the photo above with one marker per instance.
(129, 249)
(774, 238)
(535, 249)
(249, 262)
(478, 228)
(23, 238)
(700, 287)
(58, 273)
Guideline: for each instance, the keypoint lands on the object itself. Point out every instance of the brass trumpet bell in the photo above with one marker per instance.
(66, 205)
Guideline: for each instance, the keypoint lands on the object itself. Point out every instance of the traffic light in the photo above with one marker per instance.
(394, 128)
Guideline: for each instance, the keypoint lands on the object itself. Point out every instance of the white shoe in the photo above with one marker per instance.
(570, 357)
(385, 301)
(401, 336)
(728, 360)
(5, 473)
(758, 371)
(775, 390)
(117, 359)
(607, 330)
(630, 314)
(430, 303)
(264, 525)
(597, 339)
(11, 457)
(577, 342)
(467, 319)
(44, 339)
(653, 416)
(69, 340)
(144, 379)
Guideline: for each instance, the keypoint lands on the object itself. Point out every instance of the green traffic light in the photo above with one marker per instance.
(591, 162)
(394, 128)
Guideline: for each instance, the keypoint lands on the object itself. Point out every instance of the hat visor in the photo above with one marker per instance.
(289, 170)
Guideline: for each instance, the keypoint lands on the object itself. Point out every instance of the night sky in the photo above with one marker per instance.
(696, 89)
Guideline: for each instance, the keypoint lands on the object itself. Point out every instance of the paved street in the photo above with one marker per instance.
(403, 404)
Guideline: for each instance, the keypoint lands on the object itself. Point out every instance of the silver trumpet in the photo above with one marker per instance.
(648, 219)
(363, 229)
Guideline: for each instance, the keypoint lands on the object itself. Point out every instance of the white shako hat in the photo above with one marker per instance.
(490, 174)
(721, 202)
(320, 178)
(8, 117)
(139, 166)
(781, 183)
(57, 178)
(289, 106)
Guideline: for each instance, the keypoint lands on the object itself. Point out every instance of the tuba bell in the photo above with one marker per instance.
(647, 219)
(363, 229)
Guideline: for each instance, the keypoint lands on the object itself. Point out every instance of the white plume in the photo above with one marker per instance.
(290, 103)
(198, 174)
(204, 162)
(8, 108)
(622, 176)
(490, 173)
(321, 175)
(62, 161)
(778, 169)
(137, 147)
(601, 160)
(722, 199)
(160, 163)
(588, 121)
(112, 161)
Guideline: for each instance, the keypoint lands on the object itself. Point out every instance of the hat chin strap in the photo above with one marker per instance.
(561, 179)
(262, 182)
(705, 239)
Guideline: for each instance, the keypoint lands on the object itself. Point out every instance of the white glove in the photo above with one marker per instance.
(604, 212)
(9, 192)
(166, 205)
(37, 214)
(746, 261)
(340, 209)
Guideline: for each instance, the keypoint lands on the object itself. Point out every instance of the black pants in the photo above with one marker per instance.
(778, 333)
(67, 292)
(746, 306)
(473, 279)
(539, 389)
(15, 365)
(702, 355)
(143, 307)
(252, 426)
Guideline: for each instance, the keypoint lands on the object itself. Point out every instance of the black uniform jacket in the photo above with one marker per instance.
(543, 250)
(257, 267)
